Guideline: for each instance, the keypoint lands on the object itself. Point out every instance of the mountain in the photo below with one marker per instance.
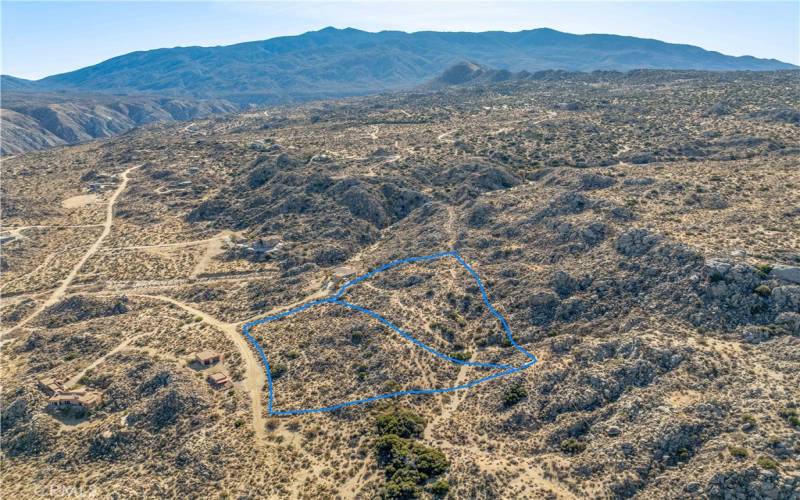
(471, 73)
(339, 62)
(191, 82)
(8, 82)
(33, 120)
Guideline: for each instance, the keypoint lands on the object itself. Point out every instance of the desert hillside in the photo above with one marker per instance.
(639, 234)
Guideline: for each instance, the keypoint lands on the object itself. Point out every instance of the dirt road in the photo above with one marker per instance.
(58, 293)
(254, 376)
(73, 381)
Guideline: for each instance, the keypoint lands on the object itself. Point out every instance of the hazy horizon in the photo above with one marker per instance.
(45, 38)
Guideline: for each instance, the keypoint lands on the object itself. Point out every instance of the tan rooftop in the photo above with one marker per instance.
(207, 357)
(50, 386)
(78, 397)
(218, 379)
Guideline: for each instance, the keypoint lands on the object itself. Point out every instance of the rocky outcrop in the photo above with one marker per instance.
(752, 483)
(786, 273)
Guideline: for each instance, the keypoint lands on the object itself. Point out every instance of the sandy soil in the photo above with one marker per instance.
(80, 201)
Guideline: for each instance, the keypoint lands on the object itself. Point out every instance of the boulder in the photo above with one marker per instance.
(636, 242)
(786, 273)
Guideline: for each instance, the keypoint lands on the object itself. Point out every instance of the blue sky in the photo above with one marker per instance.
(44, 38)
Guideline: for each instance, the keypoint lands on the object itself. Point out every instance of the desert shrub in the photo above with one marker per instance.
(439, 488)
(572, 445)
(408, 459)
(790, 414)
(767, 463)
(402, 422)
(461, 355)
(762, 290)
(443, 329)
(430, 461)
(401, 489)
(737, 452)
(764, 268)
(392, 386)
(407, 463)
(277, 370)
(514, 394)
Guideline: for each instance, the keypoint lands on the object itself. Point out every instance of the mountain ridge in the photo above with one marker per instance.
(334, 62)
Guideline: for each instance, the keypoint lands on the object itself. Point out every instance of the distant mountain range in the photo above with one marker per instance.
(191, 82)
(338, 62)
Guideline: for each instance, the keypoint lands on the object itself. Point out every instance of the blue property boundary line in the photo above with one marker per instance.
(336, 299)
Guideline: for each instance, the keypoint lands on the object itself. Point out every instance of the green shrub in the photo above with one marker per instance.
(762, 290)
(401, 490)
(572, 445)
(514, 394)
(408, 458)
(430, 461)
(402, 422)
(391, 386)
(764, 269)
(767, 463)
(445, 330)
(794, 420)
(407, 463)
(439, 488)
(390, 448)
(737, 452)
(461, 355)
(276, 370)
(361, 372)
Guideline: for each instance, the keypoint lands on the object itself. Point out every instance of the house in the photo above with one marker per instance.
(218, 380)
(207, 358)
(76, 398)
(49, 385)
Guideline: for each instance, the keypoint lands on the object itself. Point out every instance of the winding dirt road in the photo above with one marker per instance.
(254, 375)
(58, 293)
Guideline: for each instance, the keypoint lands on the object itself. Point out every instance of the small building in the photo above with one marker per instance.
(218, 380)
(50, 386)
(76, 398)
(207, 358)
